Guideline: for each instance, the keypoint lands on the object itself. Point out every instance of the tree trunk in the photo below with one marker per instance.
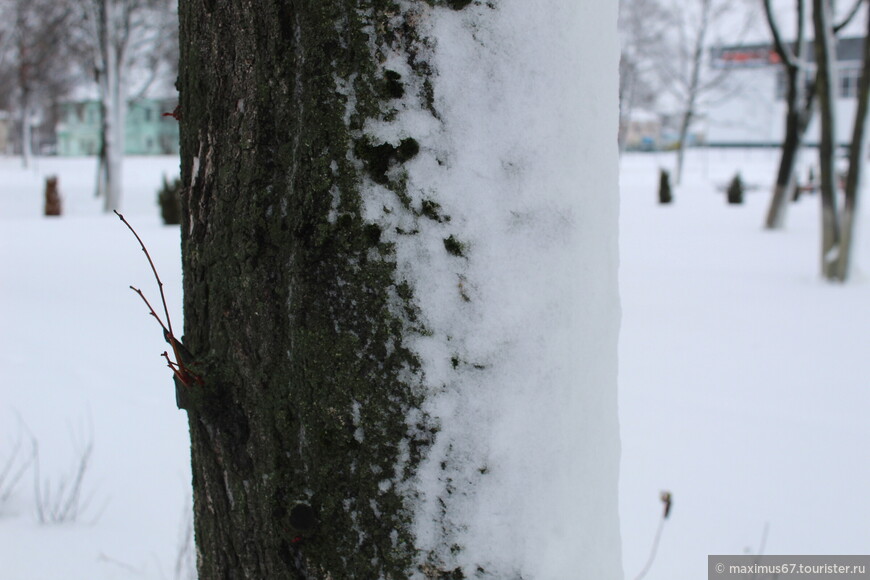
(799, 112)
(26, 130)
(694, 87)
(825, 84)
(24, 82)
(857, 153)
(685, 123)
(113, 109)
(327, 265)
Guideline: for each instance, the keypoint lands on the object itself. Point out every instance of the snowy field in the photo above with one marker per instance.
(743, 377)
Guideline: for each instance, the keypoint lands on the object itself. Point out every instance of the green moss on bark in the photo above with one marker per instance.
(288, 311)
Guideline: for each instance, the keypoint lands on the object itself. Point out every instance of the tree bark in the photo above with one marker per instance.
(309, 427)
(288, 293)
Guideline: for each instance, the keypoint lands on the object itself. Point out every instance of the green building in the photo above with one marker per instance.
(147, 130)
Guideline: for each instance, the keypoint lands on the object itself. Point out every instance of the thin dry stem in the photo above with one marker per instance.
(156, 275)
(178, 367)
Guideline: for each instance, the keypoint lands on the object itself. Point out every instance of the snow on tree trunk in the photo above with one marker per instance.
(400, 251)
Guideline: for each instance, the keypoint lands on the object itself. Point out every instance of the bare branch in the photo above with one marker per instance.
(785, 54)
(150, 308)
(168, 326)
(849, 16)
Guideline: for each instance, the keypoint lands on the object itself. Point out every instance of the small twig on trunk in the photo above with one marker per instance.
(182, 355)
(153, 269)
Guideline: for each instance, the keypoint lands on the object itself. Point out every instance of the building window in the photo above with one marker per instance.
(849, 76)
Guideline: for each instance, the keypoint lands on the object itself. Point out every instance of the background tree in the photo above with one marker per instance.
(400, 287)
(682, 61)
(800, 92)
(824, 46)
(120, 38)
(37, 45)
(837, 226)
(857, 155)
(642, 25)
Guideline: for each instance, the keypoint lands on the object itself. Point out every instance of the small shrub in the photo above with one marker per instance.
(63, 500)
(169, 199)
(665, 195)
(14, 466)
(735, 190)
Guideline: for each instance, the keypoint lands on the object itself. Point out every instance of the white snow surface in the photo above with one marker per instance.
(743, 376)
(79, 363)
(520, 359)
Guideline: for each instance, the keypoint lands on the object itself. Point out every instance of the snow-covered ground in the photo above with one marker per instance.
(743, 377)
(80, 364)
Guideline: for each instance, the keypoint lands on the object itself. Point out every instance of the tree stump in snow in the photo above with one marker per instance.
(52, 197)
(735, 190)
(665, 195)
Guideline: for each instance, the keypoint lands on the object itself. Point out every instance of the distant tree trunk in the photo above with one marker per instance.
(685, 125)
(26, 130)
(797, 122)
(825, 86)
(800, 104)
(24, 86)
(307, 130)
(857, 156)
(112, 106)
(799, 110)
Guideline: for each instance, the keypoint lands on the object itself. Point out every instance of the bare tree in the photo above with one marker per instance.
(8, 78)
(39, 58)
(682, 62)
(800, 93)
(837, 226)
(690, 76)
(120, 37)
(642, 25)
(857, 153)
